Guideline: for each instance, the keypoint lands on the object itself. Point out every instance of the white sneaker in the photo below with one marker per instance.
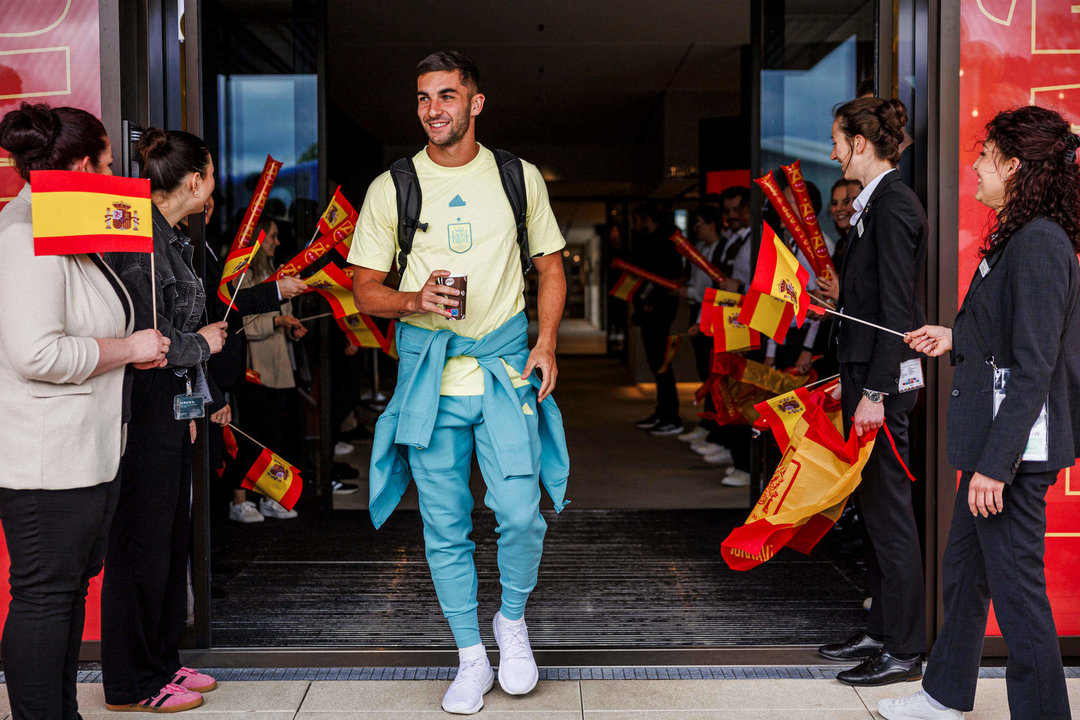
(720, 458)
(272, 509)
(736, 478)
(245, 512)
(706, 448)
(915, 707)
(517, 668)
(698, 433)
(475, 678)
(342, 448)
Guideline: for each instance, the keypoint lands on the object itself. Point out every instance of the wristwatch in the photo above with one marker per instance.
(873, 395)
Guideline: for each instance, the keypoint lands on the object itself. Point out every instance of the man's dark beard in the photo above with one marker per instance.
(457, 132)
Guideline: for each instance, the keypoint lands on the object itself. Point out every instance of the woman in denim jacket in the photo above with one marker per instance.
(144, 595)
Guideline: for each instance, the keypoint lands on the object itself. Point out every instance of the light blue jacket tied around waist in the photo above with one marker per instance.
(409, 418)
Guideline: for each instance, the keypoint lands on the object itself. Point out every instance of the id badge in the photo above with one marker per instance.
(1037, 449)
(911, 376)
(188, 406)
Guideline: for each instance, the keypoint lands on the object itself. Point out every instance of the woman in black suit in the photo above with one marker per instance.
(1020, 315)
(881, 281)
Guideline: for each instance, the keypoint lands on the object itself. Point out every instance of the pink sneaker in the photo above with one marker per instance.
(171, 698)
(190, 679)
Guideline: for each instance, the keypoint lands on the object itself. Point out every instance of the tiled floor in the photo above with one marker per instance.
(584, 700)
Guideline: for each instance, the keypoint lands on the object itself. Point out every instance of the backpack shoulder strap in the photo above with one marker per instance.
(512, 175)
(407, 188)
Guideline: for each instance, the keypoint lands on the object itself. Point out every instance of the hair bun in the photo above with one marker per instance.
(30, 131)
(154, 143)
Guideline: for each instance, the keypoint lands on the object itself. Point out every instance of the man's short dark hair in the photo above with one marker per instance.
(736, 191)
(449, 61)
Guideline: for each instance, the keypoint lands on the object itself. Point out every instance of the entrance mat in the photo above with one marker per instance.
(609, 579)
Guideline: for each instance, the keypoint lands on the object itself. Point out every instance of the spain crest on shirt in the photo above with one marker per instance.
(460, 236)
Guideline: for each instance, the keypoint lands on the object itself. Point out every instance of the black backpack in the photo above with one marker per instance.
(407, 186)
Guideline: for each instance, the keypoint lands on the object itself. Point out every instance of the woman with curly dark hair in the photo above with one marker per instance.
(1013, 421)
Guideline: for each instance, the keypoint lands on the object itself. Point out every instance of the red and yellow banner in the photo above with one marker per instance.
(276, 479)
(817, 250)
(78, 212)
(666, 283)
(256, 204)
(788, 216)
(235, 265)
(691, 253)
(807, 493)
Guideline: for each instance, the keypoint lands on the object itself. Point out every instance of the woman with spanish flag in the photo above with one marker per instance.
(881, 282)
(144, 593)
(65, 339)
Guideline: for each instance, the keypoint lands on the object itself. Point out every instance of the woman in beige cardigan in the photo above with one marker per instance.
(65, 339)
(267, 409)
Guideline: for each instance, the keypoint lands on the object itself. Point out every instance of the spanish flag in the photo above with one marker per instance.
(715, 299)
(626, 286)
(235, 264)
(670, 350)
(78, 212)
(335, 285)
(807, 493)
(362, 331)
(779, 273)
(276, 479)
(766, 314)
(781, 413)
(338, 212)
(729, 334)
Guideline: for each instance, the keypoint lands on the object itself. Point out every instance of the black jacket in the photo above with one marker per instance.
(1025, 312)
(882, 281)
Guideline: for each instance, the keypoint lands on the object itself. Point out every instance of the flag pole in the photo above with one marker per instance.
(248, 436)
(254, 441)
(153, 287)
(818, 308)
(303, 319)
(822, 381)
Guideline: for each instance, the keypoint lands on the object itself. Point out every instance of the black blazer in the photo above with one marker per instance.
(1025, 311)
(882, 280)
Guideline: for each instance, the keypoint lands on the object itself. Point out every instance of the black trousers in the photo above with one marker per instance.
(1000, 557)
(654, 339)
(894, 557)
(56, 542)
(144, 593)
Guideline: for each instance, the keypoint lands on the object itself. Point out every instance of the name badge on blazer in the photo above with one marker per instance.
(984, 268)
(1037, 449)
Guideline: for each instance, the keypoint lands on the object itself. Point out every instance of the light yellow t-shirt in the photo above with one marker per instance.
(471, 231)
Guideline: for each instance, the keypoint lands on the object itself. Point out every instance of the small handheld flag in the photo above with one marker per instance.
(271, 475)
(236, 266)
(79, 212)
(626, 286)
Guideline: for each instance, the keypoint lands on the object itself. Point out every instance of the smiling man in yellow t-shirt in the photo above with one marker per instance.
(486, 397)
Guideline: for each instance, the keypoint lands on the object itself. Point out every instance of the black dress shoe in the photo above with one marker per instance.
(860, 645)
(882, 669)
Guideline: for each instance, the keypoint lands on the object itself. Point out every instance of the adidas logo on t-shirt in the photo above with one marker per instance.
(457, 202)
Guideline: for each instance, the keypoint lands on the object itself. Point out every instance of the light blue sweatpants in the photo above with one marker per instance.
(441, 472)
